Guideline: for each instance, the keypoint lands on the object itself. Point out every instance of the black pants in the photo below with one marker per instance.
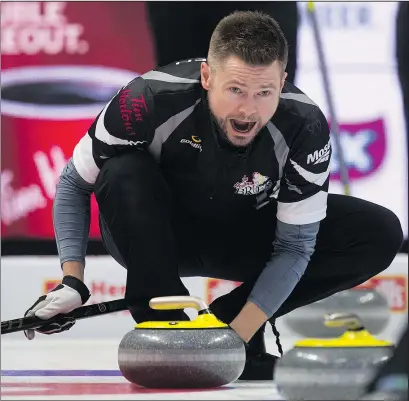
(158, 244)
(182, 30)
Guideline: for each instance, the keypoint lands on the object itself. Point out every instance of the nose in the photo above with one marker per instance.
(248, 106)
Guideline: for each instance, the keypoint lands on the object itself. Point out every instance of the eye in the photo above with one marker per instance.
(265, 93)
(235, 90)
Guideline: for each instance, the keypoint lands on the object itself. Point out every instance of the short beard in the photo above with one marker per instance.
(222, 129)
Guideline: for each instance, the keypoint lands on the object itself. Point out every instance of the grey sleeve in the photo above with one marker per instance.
(293, 248)
(71, 215)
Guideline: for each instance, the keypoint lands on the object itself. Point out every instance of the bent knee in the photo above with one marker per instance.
(387, 235)
(391, 231)
(135, 176)
(129, 165)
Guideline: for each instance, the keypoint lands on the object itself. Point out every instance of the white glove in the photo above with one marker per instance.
(67, 296)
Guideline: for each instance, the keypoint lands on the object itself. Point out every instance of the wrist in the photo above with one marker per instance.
(78, 286)
(74, 269)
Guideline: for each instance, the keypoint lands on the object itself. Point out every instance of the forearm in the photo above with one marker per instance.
(277, 281)
(71, 215)
(293, 248)
(274, 285)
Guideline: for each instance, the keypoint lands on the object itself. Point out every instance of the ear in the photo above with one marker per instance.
(283, 80)
(205, 75)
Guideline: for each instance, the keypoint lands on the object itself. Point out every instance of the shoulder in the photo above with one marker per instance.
(298, 117)
(173, 89)
(178, 77)
(296, 102)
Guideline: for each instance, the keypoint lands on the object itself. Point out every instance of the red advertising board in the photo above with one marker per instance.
(61, 62)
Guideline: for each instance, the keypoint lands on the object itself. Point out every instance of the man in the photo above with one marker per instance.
(217, 168)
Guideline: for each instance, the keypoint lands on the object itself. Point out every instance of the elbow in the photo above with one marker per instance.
(302, 249)
(71, 182)
(297, 240)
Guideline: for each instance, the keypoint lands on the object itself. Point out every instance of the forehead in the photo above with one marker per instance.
(235, 69)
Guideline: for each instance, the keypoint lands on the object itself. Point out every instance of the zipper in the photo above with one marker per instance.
(219, 157)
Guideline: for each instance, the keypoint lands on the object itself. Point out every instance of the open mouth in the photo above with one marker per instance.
(242, 126)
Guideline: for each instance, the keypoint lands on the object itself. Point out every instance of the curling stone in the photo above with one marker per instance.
(332, 369)
(202, 353)
(368, 304)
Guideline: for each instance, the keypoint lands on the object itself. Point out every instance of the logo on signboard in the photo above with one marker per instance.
(393, 288)
(364, 149)
(105, 290)
(215, 288)
(49, 285)
(341, 15)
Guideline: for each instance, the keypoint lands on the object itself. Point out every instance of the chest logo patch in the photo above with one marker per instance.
(194, 142)
(257, 184)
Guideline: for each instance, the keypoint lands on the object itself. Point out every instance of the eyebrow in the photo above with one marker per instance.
(267, 85)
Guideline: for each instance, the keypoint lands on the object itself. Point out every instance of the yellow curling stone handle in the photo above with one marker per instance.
(178, 302)
(355, 335)
(204, 320)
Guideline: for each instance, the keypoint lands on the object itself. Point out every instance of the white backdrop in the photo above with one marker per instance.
(24, 279)
(359, 45)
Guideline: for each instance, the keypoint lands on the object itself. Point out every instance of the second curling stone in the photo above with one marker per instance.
(202, 353)
(332, 369)
(371, 307)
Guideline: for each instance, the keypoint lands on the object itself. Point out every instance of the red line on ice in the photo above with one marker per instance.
(46, 389)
